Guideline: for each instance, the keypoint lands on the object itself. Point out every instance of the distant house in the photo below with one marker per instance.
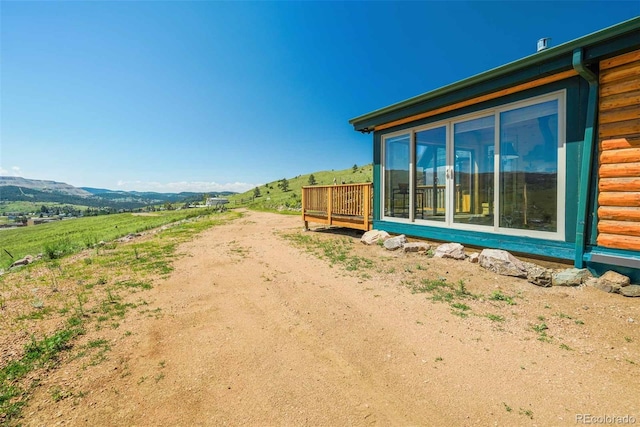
(216, 201)
(540, 156)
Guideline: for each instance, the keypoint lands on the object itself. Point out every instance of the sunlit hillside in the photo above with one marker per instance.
(271, 195)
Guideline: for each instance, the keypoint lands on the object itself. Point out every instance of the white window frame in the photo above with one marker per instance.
(449, 124)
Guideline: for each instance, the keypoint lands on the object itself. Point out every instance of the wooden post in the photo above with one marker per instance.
(366, 209)
(304, 210)
(329, 203)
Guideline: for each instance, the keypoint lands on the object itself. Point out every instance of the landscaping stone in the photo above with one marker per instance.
(631, 291)
(416, 247)
(450, 250)
(393, 243)
(372, 237)
(28, 259)
(570, 277)
(615, 279)
(502, 262)
(538, 275)
(474, 258)
(599, 284)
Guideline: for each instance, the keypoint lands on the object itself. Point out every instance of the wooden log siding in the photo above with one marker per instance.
(347, 205)
(619, 136)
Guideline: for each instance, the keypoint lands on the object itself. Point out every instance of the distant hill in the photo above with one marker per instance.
(15, 189)
(43, 186)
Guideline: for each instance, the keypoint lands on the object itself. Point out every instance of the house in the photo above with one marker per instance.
(540, 156)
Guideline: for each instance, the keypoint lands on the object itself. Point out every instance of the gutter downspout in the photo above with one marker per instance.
(587, 155)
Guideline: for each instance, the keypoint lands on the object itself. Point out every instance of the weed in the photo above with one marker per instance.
(439, 359)
(527, 412)
(499, 296)
(38, 353)
(427, 285)
(158, 377)
(628, 339)
(58, 248)
(578, 322)
(541, 330)
(460, 306)
(495, 317)
(134, 284)
(58, 394)
(541, 318)
(540, 327)
(38, 314)
(563, 316)
(565, 347)
(507, 407)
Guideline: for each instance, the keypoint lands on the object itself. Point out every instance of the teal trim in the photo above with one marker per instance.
(600, 260)
(377, 178)
(599, 45)
(587, 155)
(516, 244)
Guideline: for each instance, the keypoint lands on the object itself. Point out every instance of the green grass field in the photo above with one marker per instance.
(30, 207)
(272, 198)
(68, 236)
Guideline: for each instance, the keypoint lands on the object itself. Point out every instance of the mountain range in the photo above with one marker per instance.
(43, 191)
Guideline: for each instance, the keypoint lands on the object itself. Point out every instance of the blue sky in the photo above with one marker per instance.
(210, 96)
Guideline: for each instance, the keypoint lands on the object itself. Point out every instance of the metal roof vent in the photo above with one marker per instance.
(543, 43)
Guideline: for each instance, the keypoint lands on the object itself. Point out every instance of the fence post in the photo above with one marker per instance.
(366, 206)
(329, 203)
(304, 210)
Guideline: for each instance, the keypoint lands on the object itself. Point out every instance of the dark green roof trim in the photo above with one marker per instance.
(599, 45)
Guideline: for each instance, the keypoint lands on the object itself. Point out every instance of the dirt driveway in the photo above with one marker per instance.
(251, 329)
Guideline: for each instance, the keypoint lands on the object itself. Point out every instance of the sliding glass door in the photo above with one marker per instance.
(430, 177)
(474, 142)
(500, 170)
(396, 176)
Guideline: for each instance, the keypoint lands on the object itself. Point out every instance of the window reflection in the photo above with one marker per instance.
(529, 167)
(396, 176)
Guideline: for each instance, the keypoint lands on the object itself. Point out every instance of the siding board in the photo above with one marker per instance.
(619, 143)
(619, 213)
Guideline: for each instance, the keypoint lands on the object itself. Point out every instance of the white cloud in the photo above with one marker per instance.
(177, 187)
(13, 171)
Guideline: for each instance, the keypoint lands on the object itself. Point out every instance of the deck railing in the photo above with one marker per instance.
(346, 205)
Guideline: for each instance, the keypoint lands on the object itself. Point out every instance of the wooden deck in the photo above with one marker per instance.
(347, 205)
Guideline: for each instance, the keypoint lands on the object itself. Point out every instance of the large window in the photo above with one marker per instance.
(529, 167)
(500, 170)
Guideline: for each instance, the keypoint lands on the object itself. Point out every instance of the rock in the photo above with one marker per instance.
(394, 243)
(570, 277)
(372, 237)
(416, 247)
(615, 280)
(28, 259)
(450, 250)
(474, 258)
(538, 275)
(599, 284)
(502, 262)
(631, 291)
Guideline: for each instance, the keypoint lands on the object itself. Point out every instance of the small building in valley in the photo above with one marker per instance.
(540, 156)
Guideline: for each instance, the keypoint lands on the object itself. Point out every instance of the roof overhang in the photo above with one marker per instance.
(602, 44)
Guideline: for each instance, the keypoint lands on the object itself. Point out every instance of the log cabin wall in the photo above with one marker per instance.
(619, 143)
